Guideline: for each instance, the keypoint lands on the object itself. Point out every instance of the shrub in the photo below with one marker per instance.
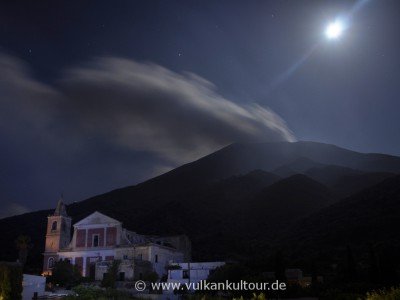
(111, 276)
(65, 274)
(392, 294)
(95, 293)
(86, 293)
(151, 276)
(10, 281)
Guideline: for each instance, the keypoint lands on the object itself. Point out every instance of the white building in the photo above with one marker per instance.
(192, 272)
(99, 239)
(32, 284)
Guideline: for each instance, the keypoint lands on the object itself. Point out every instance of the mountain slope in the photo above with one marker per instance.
(370, 216)
(346, 181)
(238, 159)
(242, 158)
(286, 201)
(299, 166)
(350, 184)
(203, 200)
(329, 175)
(237, 222)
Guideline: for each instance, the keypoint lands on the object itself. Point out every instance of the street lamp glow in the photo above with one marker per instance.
(334, 30)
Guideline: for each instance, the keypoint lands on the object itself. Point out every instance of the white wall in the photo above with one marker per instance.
(31, 284)
(165, 256)
(198, 271)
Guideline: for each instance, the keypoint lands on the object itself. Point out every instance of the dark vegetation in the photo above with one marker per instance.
(65, 274)
(110, 278)
(10, 281)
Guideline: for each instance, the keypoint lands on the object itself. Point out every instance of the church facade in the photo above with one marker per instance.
(97, 240)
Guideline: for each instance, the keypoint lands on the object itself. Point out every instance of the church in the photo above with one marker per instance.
(97, 240)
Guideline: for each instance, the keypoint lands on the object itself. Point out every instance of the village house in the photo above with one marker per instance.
(191, 272)
(98, 239)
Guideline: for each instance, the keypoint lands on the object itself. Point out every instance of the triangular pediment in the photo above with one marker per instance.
(97, 218)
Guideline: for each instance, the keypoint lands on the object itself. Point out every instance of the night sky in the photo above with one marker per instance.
(98, 95)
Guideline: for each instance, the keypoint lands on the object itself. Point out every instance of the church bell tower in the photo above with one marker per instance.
(58, 236)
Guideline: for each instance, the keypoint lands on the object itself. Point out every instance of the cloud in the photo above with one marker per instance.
(149, 108)
(12, 209)
(132, 105)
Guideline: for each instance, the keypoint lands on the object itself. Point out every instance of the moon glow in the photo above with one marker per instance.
(334, 30)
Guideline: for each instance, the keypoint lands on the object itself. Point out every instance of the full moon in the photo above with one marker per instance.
(334, 30)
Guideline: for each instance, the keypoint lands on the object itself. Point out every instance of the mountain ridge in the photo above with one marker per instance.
(226, 181)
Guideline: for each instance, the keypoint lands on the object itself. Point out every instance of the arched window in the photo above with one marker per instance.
(50, 263)
(54, 226)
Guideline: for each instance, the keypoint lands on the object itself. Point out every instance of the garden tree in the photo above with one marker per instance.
(94, 293)
(389, 267)
(65, 274)
(279, 266)
(314, 273)
(260, 296)
(6, 285)
(150, 276)
(374, 272)
(23, 244)
(385, 294)
(10, 281)
(351, 269)
(110, 277)
(232, 272)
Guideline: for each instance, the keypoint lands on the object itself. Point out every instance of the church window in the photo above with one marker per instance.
(50, 263)
(156, 258)
(54, 226)
(95, 240)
